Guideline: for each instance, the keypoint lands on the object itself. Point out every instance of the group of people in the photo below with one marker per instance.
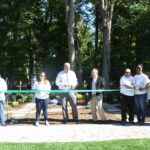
(67, 80)
(134, 95)
(132, 89)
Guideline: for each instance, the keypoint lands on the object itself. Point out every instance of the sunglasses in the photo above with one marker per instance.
(42, 75)
(138, 68)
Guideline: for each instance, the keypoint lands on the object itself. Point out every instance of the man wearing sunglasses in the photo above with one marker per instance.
(127, 94)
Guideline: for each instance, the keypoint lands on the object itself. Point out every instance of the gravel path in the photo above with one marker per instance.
(72, 133)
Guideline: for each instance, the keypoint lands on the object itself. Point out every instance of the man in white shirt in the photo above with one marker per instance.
(140, 83)
(127, 94)
(67, 80)
(3, 86)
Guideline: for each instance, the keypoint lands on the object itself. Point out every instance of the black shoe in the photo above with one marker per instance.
(75, 120)
(131, 122)
(123, 122)
(141, 122)
(4, 125)
(65, 121)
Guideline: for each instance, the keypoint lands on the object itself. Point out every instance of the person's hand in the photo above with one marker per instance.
(87, 94)
(141, 89)
(67, 85)
(73, 87)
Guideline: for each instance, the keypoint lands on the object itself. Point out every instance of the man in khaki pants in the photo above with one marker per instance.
(96, 82)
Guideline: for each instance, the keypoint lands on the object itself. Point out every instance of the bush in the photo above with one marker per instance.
(16, 99)
(79, 96)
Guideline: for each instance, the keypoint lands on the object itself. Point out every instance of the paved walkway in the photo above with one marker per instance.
(72, 133)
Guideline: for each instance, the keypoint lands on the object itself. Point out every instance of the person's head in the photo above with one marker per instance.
(66, 67)
(94, 72)
(127, 72)
(42, 76)
(139, 68)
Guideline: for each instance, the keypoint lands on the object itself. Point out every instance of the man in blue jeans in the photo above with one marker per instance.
(140, 84)
(3, 86)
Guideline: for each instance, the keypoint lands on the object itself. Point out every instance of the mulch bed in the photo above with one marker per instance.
(84, 114)
(56, 118)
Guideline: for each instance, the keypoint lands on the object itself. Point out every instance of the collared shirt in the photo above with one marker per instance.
(68, 78)
(140, 81)
(94, 85)
(42, 95)
(125, 90)
(3, 86)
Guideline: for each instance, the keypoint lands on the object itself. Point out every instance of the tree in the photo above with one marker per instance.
(70, 15)
(107, 7)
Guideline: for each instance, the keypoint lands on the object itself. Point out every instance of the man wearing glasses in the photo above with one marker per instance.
(127, 93)
(140, 83)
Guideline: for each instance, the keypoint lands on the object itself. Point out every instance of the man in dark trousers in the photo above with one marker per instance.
(127, 94)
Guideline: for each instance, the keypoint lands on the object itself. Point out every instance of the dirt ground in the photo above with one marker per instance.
(85, 116)
(56, 117)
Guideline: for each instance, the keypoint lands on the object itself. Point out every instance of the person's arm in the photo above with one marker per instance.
(3, 85)
(58, 81)
(147, 82)
(147, 85)
(48, 86)
(129, 86)
(74, 81)
(34, 86)
(102, 83)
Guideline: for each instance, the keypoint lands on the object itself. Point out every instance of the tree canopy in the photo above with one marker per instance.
(34, 35)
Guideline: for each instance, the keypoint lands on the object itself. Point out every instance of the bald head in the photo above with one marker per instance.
(127, 72)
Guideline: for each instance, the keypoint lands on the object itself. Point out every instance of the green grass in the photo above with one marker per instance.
(136, 144)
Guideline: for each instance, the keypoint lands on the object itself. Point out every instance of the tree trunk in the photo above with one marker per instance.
(70, 15)
(107, 12)
(96, 33)
(80, 70)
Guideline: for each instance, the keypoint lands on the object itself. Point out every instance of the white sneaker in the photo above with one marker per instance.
(46, 123)
(37, 124)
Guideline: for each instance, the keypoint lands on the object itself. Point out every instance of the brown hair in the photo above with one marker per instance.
(45, 78)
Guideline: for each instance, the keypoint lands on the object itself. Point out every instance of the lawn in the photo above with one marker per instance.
(136, 144)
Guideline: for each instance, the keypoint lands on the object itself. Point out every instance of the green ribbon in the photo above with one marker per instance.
(58, 91)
